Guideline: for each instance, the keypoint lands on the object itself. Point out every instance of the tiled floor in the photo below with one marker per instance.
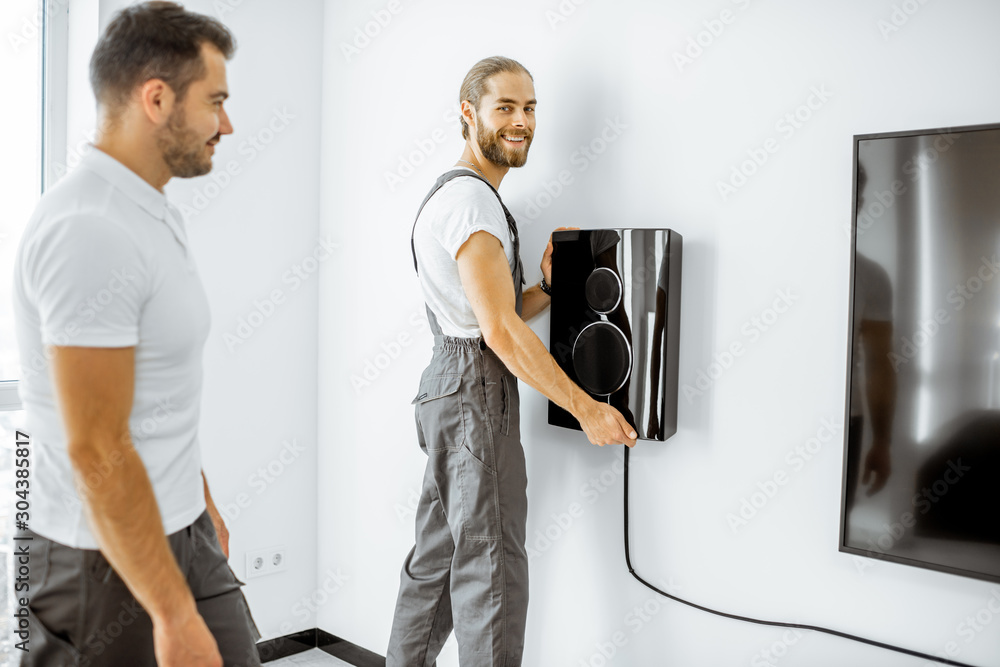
(311, 658)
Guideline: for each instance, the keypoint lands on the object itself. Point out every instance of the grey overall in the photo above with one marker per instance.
(469, 568)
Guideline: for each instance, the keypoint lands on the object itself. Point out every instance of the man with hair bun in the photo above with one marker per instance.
(468, 570)
(128, 552)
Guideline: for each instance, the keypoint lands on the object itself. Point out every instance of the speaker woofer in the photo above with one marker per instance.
(602, 358)
(603, 290)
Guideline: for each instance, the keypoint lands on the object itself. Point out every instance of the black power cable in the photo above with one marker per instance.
(780, 624)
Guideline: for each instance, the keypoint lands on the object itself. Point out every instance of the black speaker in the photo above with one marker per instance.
(615, 322)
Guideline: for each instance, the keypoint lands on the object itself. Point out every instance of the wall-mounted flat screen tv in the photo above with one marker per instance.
(921, 482)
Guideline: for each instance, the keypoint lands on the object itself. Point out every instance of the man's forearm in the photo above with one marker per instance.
(533, 302)
(213, 512)
(525, 356)
(876, 337)
(209, 503)
(881, 399)
(124, 517)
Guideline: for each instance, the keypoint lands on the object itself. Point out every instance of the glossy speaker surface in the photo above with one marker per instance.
(615, 322)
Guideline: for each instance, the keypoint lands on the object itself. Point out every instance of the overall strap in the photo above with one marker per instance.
(511, 224)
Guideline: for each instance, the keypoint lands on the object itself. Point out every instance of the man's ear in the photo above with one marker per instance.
(156, 99)
(469, 114)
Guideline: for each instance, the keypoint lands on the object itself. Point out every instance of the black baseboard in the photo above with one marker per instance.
(346, 651)
(299, 642)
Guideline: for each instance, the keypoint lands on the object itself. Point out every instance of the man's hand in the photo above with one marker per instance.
(605, 425)
(878, 465)
(185, 642)
(547, 257)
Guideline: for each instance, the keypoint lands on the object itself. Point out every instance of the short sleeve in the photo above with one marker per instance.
(88, 281)
(467, 206)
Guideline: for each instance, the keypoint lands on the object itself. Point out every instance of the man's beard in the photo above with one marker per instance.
(181, 148)
(496, 151)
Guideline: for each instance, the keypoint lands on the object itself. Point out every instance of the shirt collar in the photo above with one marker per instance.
(127, 181)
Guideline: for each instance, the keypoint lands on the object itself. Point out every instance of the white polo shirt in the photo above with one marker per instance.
(104, 262)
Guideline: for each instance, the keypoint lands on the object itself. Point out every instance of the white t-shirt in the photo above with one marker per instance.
(460, 208)
(104, 262)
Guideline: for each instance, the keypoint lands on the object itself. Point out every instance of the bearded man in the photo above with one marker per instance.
(128, 552)
(469, 568)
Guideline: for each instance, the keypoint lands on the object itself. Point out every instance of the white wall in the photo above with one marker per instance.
(685, 128)
(250, 225)
(257, 240)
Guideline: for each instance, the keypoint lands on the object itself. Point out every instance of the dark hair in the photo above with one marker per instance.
(475, 81)
(154, 40)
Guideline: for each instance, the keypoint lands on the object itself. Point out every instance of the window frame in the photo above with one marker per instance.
(54, 35)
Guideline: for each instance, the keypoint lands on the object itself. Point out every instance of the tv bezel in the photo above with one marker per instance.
(843, 546)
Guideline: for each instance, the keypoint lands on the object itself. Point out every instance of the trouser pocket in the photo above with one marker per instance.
(479, 498)
(53, 617)
(46, 649)
(505, 420)
(439, 412)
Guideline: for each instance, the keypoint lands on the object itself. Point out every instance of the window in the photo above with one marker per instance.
(22, 26)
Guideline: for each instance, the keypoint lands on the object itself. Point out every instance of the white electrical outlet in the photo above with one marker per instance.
(266, 561)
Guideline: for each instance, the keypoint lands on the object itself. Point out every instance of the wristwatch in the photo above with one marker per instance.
(545, 287)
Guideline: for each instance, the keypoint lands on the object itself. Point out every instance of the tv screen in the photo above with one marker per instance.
(921, 481)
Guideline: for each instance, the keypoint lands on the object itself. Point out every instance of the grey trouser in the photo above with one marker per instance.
(469, 568)
(82, 614)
